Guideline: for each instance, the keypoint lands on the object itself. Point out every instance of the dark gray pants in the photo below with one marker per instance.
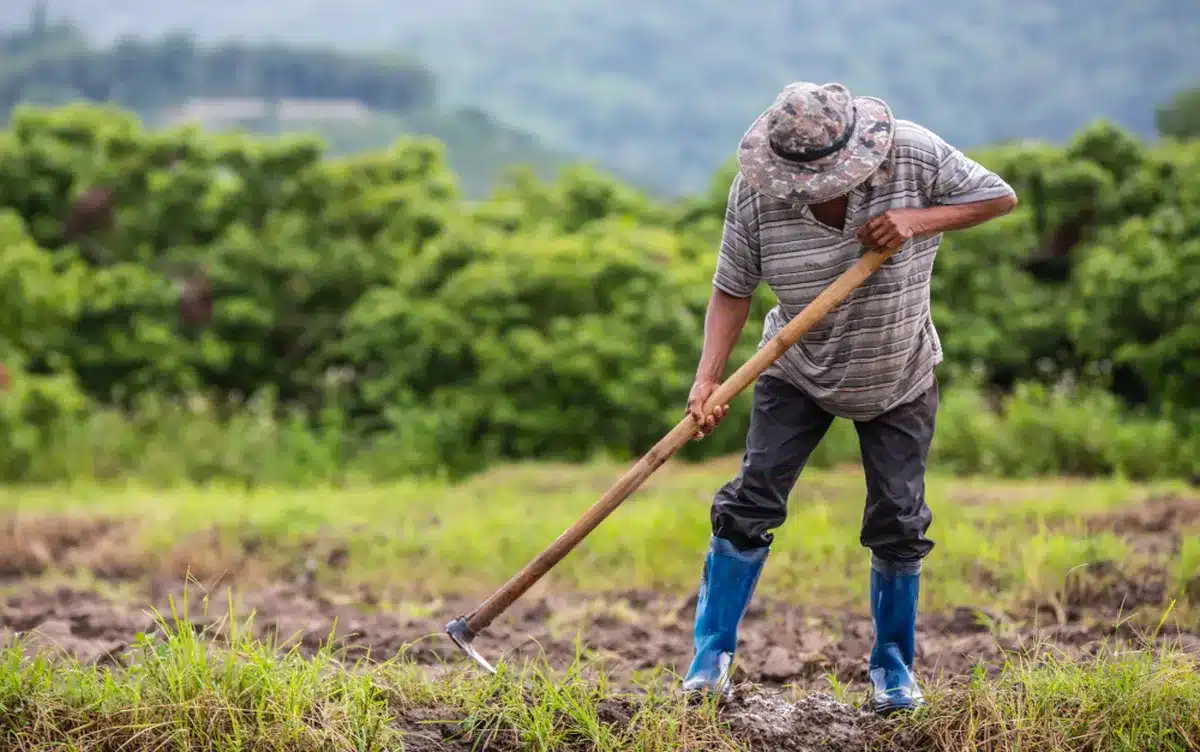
(785, 428)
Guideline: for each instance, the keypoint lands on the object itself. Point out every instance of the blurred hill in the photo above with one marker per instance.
(356, 102)
(662, 89)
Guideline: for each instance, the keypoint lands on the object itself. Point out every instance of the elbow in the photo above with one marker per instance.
(1008, 203)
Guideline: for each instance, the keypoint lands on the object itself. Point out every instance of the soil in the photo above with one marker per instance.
(816, 723)
(759, 721)
(782, 647)
(1155, 527)
(635, 632)
(31, 545)
(630, 634)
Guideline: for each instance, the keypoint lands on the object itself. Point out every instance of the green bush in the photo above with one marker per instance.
(370, 322)
(49, 436)
(1059, 430)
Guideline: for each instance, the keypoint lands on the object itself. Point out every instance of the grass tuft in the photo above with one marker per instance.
(1118, 701)
(183, 690)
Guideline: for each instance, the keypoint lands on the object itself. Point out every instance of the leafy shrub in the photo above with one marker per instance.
(368, 321)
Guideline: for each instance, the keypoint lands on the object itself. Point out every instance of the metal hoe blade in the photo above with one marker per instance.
(461, 634)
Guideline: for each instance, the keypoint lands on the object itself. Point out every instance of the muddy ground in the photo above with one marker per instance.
(782, 648)
(630, 634)
(628, 631)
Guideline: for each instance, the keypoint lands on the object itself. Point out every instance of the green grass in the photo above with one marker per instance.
(182, 693)
(1120, 702)
(997, 543)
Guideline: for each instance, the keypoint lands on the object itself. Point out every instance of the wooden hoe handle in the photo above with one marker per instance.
(829, 298)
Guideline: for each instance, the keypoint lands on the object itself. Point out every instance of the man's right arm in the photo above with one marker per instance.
(737, 276)
(723, 325)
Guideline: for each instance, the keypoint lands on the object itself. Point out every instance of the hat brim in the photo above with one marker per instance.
(826, 178)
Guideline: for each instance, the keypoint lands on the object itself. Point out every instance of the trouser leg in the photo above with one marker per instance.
(895, 450)
(785, 427)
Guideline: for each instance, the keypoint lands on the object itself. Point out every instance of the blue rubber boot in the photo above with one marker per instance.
(726, 585)
(894, 591)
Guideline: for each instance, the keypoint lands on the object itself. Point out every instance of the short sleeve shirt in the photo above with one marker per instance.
(879, 347)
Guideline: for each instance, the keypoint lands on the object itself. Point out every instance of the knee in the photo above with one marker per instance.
(897, 534)
(745, 516)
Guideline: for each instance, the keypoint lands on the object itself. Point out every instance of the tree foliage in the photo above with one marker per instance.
(557, 319)
(1180, 117)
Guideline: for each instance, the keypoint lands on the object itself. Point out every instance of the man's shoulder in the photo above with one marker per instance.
(915, 142)
(911, 134)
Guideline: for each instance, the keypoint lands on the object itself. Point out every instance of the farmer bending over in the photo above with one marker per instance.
(824, 174)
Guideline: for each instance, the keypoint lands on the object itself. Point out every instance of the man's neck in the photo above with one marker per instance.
(831, 213)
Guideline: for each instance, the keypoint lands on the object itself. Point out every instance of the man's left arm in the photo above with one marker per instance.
(959, 193)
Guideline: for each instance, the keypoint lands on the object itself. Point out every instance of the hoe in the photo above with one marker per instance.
(464, 629)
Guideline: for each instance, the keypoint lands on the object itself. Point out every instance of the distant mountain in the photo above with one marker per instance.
(663, 89)
(354, 101)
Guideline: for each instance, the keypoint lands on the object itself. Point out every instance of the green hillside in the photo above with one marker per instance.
(354, 101)
(662, 89)
(479, 149)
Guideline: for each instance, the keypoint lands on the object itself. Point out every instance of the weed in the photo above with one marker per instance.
(183, 691)
(1120, 701)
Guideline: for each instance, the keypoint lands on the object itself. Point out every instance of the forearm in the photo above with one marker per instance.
(945, 218)
(723, 325)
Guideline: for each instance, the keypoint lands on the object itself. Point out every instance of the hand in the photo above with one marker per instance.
(701, 391)
(890, 230)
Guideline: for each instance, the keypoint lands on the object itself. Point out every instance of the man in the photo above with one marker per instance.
(823, 175)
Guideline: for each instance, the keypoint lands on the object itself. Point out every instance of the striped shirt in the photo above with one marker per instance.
(878, 348)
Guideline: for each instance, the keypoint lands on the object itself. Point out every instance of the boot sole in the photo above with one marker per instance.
(888, 709)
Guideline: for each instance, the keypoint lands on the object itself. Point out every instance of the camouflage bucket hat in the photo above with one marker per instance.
(816, 142)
